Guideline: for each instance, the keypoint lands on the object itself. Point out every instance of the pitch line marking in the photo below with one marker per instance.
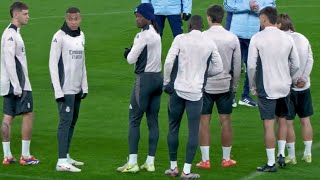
(256, 174)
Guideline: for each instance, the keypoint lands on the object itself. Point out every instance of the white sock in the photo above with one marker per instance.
(173, 165)
(307, 148)
(291, 150)
(186, 168)
(6, 149)
(68, 156)
(62, 160)
(281, 147)
(26, 148)
(150, 160)
(226, 153)
(133, 159)
(205, 153)
(271, 156)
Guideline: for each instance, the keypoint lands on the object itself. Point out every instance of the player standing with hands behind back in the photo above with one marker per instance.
(273, 63)
(300, 96)
(69, 80)
(145, 97)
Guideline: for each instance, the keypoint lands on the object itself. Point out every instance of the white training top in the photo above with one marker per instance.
(229, 50)
(194, 52)
(146, 51)
(67, 64)
(273, 63)
(305, 57)
(14, 69)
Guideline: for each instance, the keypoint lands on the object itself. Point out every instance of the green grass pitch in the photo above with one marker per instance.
(100, 138)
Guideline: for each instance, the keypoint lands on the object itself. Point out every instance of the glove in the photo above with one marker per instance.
(169, 88)
(126, 52)
(60, 99)
(186, 16)
(83, 95)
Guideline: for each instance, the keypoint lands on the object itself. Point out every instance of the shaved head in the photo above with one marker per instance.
(196, 23)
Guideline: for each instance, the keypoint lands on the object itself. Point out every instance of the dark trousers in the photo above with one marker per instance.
(228, 20)
(145, 98)
(176, 108)
(68, 113)
(244, 46)
(174, 21)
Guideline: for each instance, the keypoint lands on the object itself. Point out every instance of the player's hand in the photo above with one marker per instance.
(186, 16)
(60, 99)
(168, 88)
(301, 83)
(18, 93)
(126, 52)
(84, 95)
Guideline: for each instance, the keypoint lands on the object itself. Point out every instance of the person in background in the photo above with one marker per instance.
(173, 10)
(242, 19)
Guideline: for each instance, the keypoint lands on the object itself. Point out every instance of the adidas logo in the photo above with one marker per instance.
(55, 40)
(10, 39)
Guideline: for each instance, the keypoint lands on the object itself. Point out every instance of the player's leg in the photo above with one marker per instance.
(175, 24)
(290, 143)
(204, 141)
(66, 111)
(6, 136)
(193, 109)
(305, 111)
(160, 19)
(307, 135)
(204, 130)
(9, 103)
(282, 135)
(76, 110)
(267, 113)
(282, 110)
(24, 106)
(224, 105)
(138, 105)
(291, 136)
(176, 108)
(152, 121)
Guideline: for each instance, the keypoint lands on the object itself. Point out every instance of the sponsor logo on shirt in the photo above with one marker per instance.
(76, 54)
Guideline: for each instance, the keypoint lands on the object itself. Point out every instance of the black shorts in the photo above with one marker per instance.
(14, 105)
(223, 101)
(301, 104)
(270, 108)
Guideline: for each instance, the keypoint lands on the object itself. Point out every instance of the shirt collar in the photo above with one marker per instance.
(70, 32)
(14, 27)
